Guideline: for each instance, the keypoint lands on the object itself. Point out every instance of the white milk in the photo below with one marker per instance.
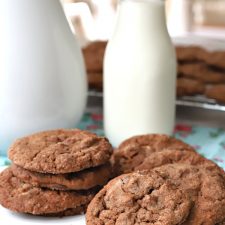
(42, 75)
(139, 73)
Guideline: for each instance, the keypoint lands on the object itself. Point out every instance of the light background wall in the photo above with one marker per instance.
(94, 19)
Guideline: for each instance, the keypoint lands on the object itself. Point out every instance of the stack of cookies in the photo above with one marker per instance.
(55, 173)
(93, 56)
(201, 72)
(164, 181)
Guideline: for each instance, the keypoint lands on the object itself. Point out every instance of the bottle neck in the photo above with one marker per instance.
(140, 14)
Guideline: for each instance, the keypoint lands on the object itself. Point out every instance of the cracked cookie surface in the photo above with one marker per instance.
(60, 151)
(157, 159)
(205, 187)
(82, 180)
(139, 198)
(25, 198)
(133, 152)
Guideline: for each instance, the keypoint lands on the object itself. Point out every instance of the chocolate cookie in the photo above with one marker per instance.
(157, 159)
(213, 77)
(189, 87)
(201, 72)
(216, 59)
(95, 80)
(216, 92)
(191, 70)
(190, 53)
(139, 198)
(69, 212)
(83, 180)
(93, 56)
(60, 151)
(25, 198)
(206, 188)
(134, 151)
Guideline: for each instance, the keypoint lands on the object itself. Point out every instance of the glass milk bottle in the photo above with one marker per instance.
(139, 73)
(42, 76)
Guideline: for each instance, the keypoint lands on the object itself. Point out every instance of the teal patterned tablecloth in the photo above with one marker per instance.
(209, 142)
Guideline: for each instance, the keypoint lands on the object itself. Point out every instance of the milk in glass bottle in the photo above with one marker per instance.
(139, 73)
(42, 75)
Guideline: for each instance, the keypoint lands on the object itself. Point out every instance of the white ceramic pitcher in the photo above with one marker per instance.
(42, 76)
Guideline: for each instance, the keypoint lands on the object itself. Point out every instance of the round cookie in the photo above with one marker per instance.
(201, 72)
(139, 198)
(191, 70)
(25, 198)
(216, 59)
(190, 53)
(134, 151)
(94, 55)
(60, 151)
(83, 180)
(157, 159)
(189, 87)
(95, 80)
(206, 188)
(216, 92)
